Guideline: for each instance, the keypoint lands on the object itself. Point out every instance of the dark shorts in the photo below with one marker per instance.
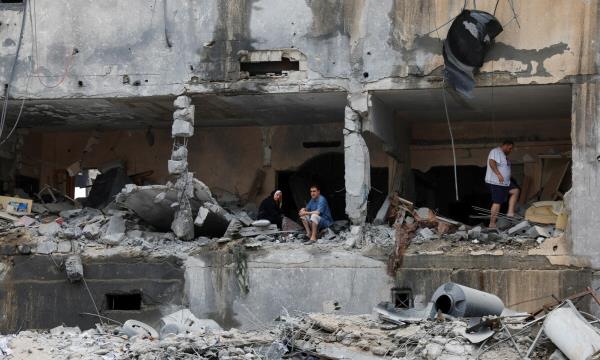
(500, 193)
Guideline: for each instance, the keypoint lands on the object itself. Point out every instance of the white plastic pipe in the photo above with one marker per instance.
(571, 333)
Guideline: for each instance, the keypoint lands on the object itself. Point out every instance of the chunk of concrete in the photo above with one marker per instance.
(133, 328)
(115, 230)
(64, 246)
(182, 128)
(210, 223)
(176, 167)
(184, 322)
(185, 114)
(140, 199)
(74, 268)
(202, 192)
(180, 153)
(355, 238)
(183, 224)
(72, 232)
(520, 228)
(49, 229)
(427, 234)
(182, 102)
(46, 247)
(261, 223)
(92, 231)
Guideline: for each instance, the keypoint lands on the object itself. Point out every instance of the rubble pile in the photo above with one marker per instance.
(421, 230)
(484, 330)
(109, 342)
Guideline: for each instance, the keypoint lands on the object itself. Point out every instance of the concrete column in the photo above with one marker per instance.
(356, 160)
(181, 130)
(585, 194)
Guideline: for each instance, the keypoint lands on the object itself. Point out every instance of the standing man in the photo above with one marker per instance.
(316, 215)
(499, 182)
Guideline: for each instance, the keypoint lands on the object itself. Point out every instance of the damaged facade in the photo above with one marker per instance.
(172, 120)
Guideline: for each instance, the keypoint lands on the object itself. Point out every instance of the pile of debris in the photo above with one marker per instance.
(459, 323)
(419, 227)
(182, 336)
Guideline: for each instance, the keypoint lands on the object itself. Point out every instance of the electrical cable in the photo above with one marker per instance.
(447, 115)
(451, 137)
(12, 70)
(34, 45)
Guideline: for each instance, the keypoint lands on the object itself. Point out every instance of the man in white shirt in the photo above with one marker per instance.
(497, 178)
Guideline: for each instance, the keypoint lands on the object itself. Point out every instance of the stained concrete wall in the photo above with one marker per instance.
(283, 280)
(178, 45)
(224, 158)
(35, 292)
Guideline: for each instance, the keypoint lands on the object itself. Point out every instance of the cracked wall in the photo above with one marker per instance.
(144, 48)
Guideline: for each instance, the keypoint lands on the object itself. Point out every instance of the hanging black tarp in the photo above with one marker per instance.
(469, 38)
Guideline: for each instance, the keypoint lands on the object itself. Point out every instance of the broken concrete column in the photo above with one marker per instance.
(211, 223)
(356, 162)
(183, 223)
(183, 128)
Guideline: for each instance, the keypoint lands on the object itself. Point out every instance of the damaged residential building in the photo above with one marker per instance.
(138, 139)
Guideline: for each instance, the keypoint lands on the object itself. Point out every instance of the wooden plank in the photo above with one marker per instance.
(550, 189)
(525, 187)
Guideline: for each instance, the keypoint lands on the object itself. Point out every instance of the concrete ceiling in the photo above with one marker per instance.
(503, 103)
(513, 102)
(211, 110)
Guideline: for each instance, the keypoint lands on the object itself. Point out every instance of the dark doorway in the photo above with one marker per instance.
(327, 171)
(435, 190)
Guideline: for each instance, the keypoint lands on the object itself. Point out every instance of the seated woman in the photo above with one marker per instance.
(270, 208)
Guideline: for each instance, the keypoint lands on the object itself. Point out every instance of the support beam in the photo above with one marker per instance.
(585, 197)
(356, 160)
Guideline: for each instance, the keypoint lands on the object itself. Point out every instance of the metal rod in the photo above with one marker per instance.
(511, 338)
(534, 343)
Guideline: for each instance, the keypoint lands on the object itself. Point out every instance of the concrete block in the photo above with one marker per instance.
(92, 231)
(72, 232)
(176, 167)
(185, 114)
(183, 224)
(74, 268)
(115, 230)
(180, 153)
(210, 223)
(46, 247)
(182, 128)
(182, 102)
(520, 228)
(64, 247)
(49, 229)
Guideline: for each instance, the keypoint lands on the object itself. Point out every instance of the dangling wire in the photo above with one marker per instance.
(451, 135)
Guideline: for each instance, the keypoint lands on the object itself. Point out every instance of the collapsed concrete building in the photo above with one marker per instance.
(348, 94)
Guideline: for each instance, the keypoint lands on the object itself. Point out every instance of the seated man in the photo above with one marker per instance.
(270, 208)
(316, 215)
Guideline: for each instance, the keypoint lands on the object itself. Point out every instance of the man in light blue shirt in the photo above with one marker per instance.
(316, 215)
